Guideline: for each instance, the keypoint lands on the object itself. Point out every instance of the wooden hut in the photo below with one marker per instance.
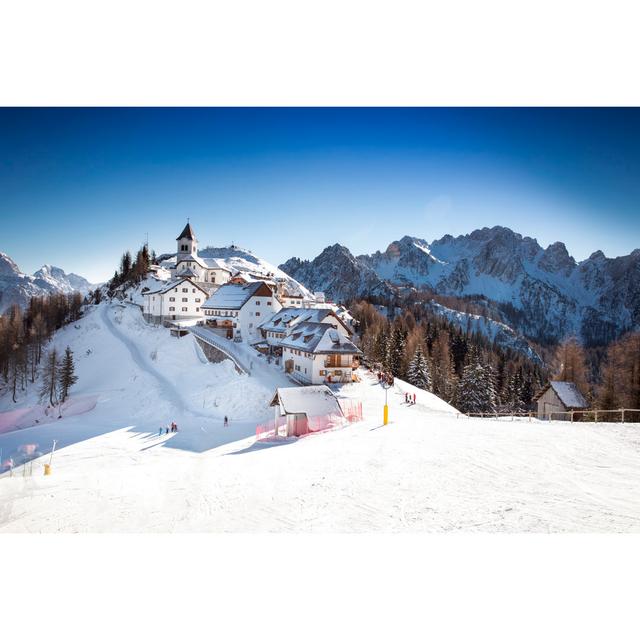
(557, 398)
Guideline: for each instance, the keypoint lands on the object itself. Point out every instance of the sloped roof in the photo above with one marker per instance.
(176, 283)
(214, 263)
(318, 337)
(569, 394)
(187, 233)
(188, 257)
(314, 400)
(288, 317)
(232, 296)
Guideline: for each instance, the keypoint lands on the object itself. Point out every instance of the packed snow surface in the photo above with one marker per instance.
(430, 469)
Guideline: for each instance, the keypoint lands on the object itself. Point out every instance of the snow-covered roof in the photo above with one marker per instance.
(213, 263)
(191, 258)
(290, 316)
(188, 273)
(173, 284)
(318, 337)
(314, 400)
(232, 296)
(569, 394)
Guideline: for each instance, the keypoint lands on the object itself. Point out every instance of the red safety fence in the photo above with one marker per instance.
(352, 410)
(301, 425)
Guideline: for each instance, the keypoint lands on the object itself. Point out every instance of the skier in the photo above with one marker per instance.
(166, 431)
(414, 398)
(226, 421)
(159, 432)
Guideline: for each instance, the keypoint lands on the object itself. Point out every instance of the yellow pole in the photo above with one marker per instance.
(385, 418)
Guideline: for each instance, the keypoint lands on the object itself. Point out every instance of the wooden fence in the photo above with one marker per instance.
(622, 416)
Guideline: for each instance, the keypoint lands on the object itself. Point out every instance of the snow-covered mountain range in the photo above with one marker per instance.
(543, 293)
(17, 287)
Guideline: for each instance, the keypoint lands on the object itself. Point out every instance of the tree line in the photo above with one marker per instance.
(467, 370)
(609, 378)
(132, 271)
(24, 335)
(476, 376)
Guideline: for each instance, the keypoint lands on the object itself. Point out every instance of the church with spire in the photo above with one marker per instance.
(189, 264)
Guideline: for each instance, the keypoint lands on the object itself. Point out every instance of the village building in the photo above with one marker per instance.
(276, 328)
(316, 352)
(557, 398)
(238, 309)
(291, 300)
(306, 408)
(176, 300)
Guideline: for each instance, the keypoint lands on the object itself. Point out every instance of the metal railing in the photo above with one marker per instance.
(225, 345)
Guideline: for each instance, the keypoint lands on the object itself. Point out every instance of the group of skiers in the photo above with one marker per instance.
(173, 427)
(386, 378)
(410, 398)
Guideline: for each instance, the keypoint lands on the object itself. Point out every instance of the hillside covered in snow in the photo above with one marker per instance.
(429, 469)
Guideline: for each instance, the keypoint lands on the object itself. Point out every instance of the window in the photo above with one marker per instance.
(193, 290)
(185, 299)
(257, 303)
(297, 367)
(184, 308)
(257, 313)
(184, 290)
(268, 304)
(197, 299)
(172, 299)
(172, 308)
(197, 309)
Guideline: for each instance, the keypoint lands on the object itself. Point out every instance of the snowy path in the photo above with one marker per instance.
(167, 387)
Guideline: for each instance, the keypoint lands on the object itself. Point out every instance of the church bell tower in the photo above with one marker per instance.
(187, 243)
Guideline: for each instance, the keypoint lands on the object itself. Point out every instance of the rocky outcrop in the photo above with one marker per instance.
(548, 294)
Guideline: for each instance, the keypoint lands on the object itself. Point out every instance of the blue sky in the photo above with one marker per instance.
(78, 186)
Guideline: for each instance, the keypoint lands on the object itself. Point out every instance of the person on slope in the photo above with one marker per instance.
(159, 432)
(226, 421)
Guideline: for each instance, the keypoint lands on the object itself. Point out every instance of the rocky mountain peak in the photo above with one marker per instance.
(7, 266)
(556, 259)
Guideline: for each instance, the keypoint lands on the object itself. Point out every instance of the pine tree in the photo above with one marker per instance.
(67, 375)
(125, 265)
(476, 391)
(418, 373)
(396, 352)
(514, 393)
(49, 387)
(381, 347)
